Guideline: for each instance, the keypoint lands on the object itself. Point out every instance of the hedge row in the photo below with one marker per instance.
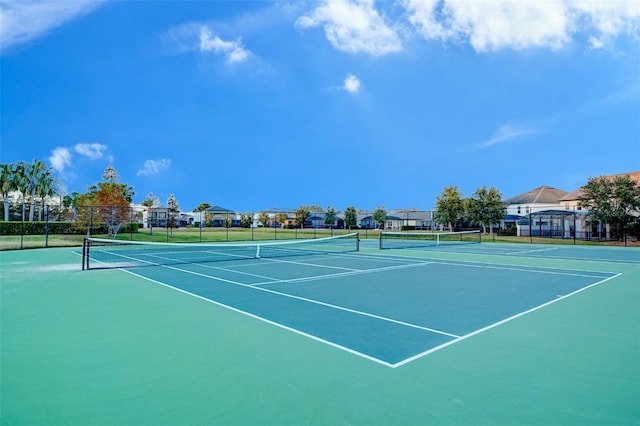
(40, 228)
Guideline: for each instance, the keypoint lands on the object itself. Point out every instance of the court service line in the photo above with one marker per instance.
(344, 274)
(496, 324)
(530, 251)
(506, 268)
(477, 263)
(310, 264)
(277, 324)
(317, 302)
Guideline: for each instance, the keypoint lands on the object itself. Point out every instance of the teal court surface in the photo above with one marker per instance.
(449, 334)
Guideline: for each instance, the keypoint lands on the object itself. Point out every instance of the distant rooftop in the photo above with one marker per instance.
(575, 195)
(541, 195)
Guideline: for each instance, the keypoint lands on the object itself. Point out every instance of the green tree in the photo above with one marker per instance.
(615, 202)
(282, 218)
(485, 208)
(227, 220)
(202, 207)
(449, 207)
(46, 188)
(33, 173)
(380, 216)
(302, 214)
(7, 184)
(173, 211)
(350, 217)
(246, 220)
(263, 218)
(151, 201)
(330, 217)
(21, 182)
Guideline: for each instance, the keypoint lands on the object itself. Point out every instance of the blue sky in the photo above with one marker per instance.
(252, 105)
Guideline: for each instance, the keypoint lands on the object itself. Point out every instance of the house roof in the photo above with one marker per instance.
(218, 209)
(541, 195)
(575, 195)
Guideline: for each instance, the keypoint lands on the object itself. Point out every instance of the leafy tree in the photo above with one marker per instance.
(70, 203)
(485, 208)
(350, 217)
(612, 201)
(302, 214)
(282, 219)
(151, 201)
(227, 220)
(107, 202)
(173, 210)
(449, 206)
(47, 187)
(246, 220)
(330, 217)
(202, 207)
(263, 218)
(380, 216)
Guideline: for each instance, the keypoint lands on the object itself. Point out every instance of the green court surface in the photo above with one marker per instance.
(479, 334)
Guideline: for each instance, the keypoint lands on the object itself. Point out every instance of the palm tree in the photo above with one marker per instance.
(20, 182)
(33, 174)
(7, 185)
(46, 188)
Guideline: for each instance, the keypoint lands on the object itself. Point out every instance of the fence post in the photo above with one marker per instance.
(46, 226)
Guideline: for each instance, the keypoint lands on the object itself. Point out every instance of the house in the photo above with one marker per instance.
(316, 220)
(537, 212)
(538, 199)
(571, 202)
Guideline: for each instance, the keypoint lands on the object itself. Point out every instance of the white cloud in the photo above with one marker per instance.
(60, 158)
(508, 132)
(22, 21)
(607, 19)
(351, 84)
(353, 26)
(92, 151)
(153, 167)
(492, 25)
(233, 50)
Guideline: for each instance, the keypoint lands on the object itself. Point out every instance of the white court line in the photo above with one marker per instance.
(344, 274)
(349, 350)
(522, 269)
(317, 302)
(249, 314)
(309, 264)
(489, 327)
(530, 251)
(455, 262)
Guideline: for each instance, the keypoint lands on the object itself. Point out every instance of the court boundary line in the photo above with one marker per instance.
(456, 338)
(461, 262)
(501, 322)
(258, 317)
(443, 250)
(317, 302)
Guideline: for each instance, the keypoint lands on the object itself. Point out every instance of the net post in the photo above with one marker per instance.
(85, 251)
(258, 251)
(357, 241)
(380, 241)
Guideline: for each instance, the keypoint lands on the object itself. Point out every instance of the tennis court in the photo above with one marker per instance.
(324, 332)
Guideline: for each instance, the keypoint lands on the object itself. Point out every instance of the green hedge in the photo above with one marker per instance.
(40, 228)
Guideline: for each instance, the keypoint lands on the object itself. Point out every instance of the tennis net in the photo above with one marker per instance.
(398, 240)
(105, 253)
